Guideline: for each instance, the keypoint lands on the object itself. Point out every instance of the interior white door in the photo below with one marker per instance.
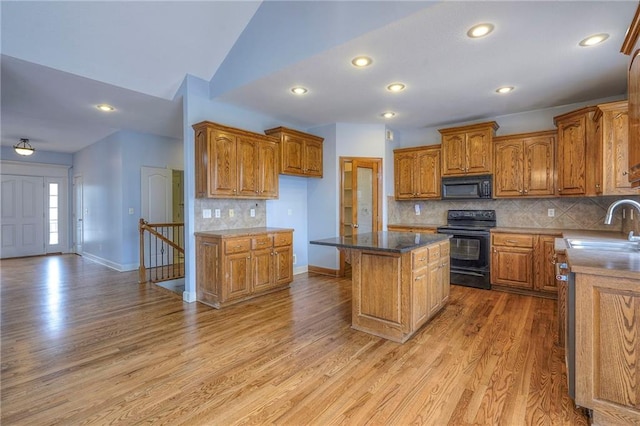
(156, 195)
(78, 214)
(22, 216)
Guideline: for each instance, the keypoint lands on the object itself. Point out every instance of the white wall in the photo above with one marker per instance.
(110, 170)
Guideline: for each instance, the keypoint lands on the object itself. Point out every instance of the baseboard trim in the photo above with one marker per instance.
(188, 296)
(300, 270)
(324, 271)
(113, 265)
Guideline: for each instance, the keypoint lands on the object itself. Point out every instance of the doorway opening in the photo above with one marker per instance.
(360, 200)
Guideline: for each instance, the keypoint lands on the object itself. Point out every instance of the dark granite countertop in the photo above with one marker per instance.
(392, 242)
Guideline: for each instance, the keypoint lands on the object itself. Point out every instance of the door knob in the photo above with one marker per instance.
(355, 225)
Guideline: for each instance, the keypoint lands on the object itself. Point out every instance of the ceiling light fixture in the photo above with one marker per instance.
(396, 87)
(388, 114)
(105, 107)
(361, 61)
(299, 90)
(504, 89)
(24, 147)
(594, 39)
(480, 30)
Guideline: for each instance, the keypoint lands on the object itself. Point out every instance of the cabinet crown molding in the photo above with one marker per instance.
(293, 132)
(470, 127)
(574, 113)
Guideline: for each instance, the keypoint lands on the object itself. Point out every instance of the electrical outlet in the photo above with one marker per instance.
(252, 212)
(217, 213)
(206, 213)
(130, 210)
(231, 213)
(289, 212)
(295, 259)
(551, 212)
(417, 209)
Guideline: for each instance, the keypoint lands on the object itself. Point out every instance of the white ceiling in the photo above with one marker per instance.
(60, 59)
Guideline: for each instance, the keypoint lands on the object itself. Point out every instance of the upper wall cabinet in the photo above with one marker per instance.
(417, 173)
(579, 164)
(631, 46)
(300, 153)
(612, 130)
(234, 163)
(525, 164)
(468, 150)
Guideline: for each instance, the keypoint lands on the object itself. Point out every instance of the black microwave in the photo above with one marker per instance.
(467, 187)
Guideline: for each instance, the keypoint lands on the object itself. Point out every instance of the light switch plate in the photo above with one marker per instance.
(551, 212)
(130, 210)
(231, 213)
(206, 213)
(252, 212)
(217, 213)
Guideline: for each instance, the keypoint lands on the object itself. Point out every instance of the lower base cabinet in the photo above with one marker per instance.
(395, 294)
(607, 354)
(524, 262)
(236, 265)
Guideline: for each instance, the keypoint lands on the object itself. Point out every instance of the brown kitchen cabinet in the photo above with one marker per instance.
(236, 265)
(417, 173)
(607, 346)
(430, 281)
(468, 150)
(300, 153)
(524, 262)
(234, 163)
(512, 260)
(579, 155)
(631, 47)
(612, 130)
(525, 165)
(545, 264)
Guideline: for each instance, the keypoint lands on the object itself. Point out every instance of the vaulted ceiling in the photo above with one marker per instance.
(60, 59)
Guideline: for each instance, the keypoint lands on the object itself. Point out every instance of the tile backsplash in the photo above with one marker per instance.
(570, 213)
(241, 214)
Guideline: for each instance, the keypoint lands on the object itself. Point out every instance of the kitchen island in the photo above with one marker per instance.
(400, 280)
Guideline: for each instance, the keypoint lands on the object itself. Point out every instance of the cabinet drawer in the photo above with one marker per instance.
(420, 258)
(261, 242)
(237, 245)
(282, 239)
(444, 249)
(512, 240)
(434, 253)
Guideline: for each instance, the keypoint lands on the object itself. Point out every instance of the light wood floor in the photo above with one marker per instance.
(82, 344)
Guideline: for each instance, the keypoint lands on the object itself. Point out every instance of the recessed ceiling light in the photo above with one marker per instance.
(361, 61)
(396, 87)
(105, 107)
(388, 114)
(504, 89)
(299, 90)
(480, 30)
(594, 39)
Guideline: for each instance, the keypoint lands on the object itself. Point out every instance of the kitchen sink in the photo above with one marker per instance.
(602, 244)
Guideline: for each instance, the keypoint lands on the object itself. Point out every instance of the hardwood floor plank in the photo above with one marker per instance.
(83, 344)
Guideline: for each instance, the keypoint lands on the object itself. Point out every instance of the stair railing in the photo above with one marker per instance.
(161, 251)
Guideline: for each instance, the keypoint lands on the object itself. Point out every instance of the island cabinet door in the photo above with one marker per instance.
(420, 287)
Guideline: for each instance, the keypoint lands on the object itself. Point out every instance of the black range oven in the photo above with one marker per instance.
(470, 246)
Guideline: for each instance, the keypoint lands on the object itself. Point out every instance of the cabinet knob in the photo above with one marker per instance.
(625, 173)
(526, 191)
(597, 185)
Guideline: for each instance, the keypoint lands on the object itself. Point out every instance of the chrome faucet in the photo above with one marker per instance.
(609, 217)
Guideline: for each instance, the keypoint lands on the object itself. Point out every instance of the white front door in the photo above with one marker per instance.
(22, 216)
(156, 195)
